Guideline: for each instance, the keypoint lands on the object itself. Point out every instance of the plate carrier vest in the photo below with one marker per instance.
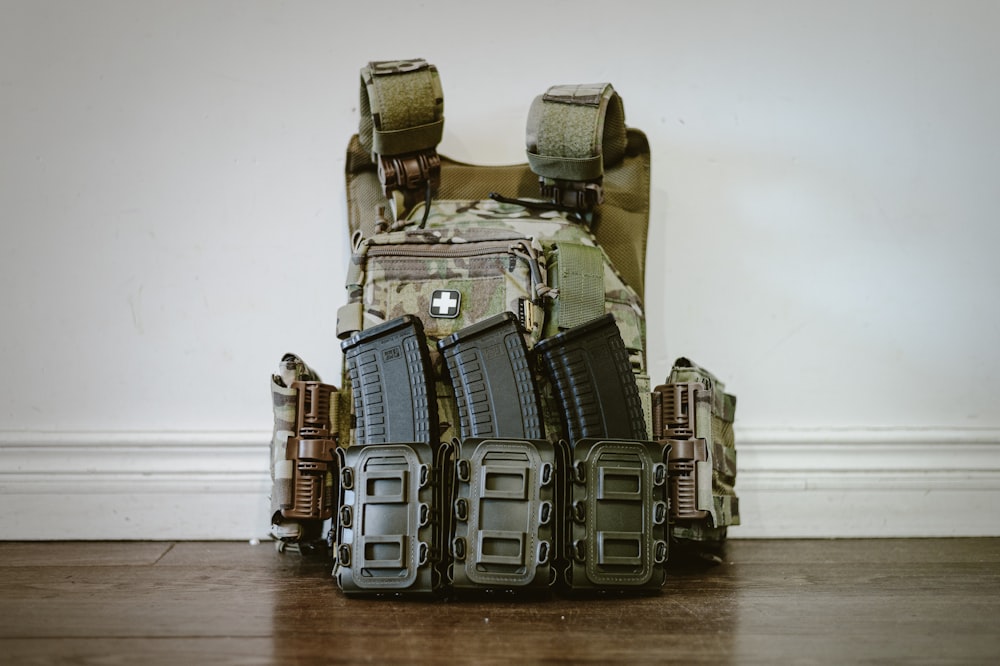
(495, 427)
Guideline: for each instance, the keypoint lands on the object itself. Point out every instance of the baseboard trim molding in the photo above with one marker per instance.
(872, 482)
(792, 483)
(134, 485)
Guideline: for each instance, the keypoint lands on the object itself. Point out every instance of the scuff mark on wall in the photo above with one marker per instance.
(135, 305)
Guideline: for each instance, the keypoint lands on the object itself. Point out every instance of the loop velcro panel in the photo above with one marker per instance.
(575, 131)
(402, 107)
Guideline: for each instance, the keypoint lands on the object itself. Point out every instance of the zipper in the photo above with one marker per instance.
(442, 250)
(517, 247)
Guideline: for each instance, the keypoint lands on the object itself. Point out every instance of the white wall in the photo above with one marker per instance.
(824, 227)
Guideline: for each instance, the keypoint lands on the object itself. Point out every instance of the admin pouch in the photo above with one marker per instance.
(694, 415)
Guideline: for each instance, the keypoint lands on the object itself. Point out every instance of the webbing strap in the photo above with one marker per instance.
(575, 132)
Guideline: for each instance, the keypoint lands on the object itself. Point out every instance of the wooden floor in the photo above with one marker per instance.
(836, 602)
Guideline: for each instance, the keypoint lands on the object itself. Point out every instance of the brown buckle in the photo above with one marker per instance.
(578, 195)
(311, 449)
(683, 477)
(314, 409)
(674, 413)
(410, 174)
(674, 423)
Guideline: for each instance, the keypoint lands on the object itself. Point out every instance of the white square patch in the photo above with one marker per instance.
(445, 303)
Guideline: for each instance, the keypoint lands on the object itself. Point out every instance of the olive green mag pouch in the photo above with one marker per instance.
(507, 515)
(616, 535)
(392, 520)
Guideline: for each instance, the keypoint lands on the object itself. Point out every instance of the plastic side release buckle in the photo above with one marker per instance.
(674, 410)
(682, 463)
(311, 452)
(411, 174)
(674, 422)
(578, 195)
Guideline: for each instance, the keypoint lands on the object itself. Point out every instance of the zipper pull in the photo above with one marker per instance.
(359, 256)
(539, 289)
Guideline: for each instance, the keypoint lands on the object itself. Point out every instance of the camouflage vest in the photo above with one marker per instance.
(540, 471)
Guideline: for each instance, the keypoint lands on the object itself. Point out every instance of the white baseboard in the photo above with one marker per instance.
(134, 485)
(892, 482)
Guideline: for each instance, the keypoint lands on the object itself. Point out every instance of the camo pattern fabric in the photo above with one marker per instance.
(491, 270)
(452, 226)
(495, 255)
(714, 423)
